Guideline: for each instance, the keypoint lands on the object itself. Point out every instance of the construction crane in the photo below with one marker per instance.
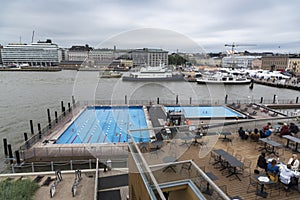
(233, 45)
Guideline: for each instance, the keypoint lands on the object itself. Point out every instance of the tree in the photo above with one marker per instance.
(175, 59)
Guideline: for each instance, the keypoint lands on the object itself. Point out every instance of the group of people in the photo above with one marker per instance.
(292, 129)
(286, 175)
(266, 131)
(254, 135)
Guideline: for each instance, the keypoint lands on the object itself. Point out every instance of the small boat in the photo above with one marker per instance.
(110, 74)
(157, 73)
(221, 78)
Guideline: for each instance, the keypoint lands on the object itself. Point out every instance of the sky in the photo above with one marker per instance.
(191, 25)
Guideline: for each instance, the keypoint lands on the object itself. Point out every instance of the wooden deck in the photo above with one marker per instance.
(246, 149)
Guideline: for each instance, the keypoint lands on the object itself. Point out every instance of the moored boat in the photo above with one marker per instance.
(223, 79)
(110, 74)
(157, 73)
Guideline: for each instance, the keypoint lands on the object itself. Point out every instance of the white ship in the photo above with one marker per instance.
(158, 73)
(223, 78)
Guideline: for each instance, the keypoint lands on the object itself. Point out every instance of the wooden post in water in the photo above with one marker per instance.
(125, 99)
(40, 132)
(274, 98)
(73, 101)
(56, 120)
(261, 99)
(297, 99)
(31, 127)
(190, 100)
(176, 100)
(49, 118)
(226, 97)
(157, 100)
(5, 146)
(25, 137)
(10, 155)
(62, 106)
(18, 157)
(69, 106)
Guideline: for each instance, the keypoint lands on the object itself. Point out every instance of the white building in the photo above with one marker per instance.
(35, 54)
(294, 64)
(236, 61)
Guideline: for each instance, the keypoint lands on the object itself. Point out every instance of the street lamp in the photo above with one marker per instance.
(294, 67)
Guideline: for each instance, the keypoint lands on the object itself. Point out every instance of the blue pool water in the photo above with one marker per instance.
(106, 124)
(204, 111)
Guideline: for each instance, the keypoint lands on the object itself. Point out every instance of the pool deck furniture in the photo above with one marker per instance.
(212, 177)
(187, 139)
(225, 138)
(144, 147)
(170, 159)
(264, 180)
(231, 162)
(294, 139)
(268, 142)
(195, 141)
(157, 144)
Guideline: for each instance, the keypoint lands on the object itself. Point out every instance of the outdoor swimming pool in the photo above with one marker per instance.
(106, 124)
(204, 111)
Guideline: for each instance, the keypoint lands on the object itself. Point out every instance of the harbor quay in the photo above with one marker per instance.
(102, 139)
(43, 146)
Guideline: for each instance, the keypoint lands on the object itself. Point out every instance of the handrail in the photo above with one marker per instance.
(96, 180)
(147, 168)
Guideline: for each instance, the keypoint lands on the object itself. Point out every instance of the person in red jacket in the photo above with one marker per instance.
(284, 130)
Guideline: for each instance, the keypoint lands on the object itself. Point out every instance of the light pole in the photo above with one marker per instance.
(294, 67)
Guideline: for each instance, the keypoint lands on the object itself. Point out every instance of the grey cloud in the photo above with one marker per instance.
(210, 23)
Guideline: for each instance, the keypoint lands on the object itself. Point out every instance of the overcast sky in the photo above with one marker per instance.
(272, 25)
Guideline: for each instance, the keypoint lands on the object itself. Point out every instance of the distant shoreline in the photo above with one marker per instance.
(39, 69)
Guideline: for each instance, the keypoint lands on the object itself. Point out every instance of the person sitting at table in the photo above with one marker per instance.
(293, 128)
(284, 130)
(265, 134)
(287, 177)
(262, 161)
(255, 135)
(267, 127)
(273, 170)
(243, 134)
(294, 162)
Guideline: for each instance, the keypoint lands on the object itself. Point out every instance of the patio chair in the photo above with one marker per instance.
(255, 107)
(244, 109)
(230, 150)
(245, 170)
(239, 157)
(273, 187)
(214, 159)
(200, 182)
(187, 167)
(253, 183)
(274, 114)
(249, 105)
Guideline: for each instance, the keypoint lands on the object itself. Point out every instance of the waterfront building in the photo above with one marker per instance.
(62, 54)
(149, 57)
(277, 62)
(1, 47)
(78, 53)
(256, 63)
(42, 53)
(294, 63)
(236, 61)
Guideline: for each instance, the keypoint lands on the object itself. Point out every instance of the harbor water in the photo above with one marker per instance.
(26, 96)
